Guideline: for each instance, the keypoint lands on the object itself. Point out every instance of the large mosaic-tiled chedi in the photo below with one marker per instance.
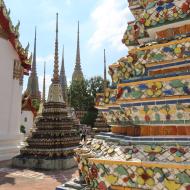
(52, 142)
(147, 107)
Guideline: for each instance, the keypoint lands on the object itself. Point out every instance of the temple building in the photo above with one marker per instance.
(33, 87)
(14, 64)
(28, 113)
(148, 106)
(63, 80)
(77, 74)
(51, 145)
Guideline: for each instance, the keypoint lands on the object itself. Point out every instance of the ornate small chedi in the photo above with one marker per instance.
(148, 106)
(51, 144)
(100, 124)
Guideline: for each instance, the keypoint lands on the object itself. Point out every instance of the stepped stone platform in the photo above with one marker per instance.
(47, 164)
(111, 161)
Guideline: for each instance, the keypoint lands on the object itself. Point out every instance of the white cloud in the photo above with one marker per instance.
(110, 18)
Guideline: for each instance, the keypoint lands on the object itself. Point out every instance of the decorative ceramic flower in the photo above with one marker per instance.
(119, 92)
(185, 7)
(153, 149)
(171, 185)
(130, 177)
(102, 186)
(106, 96)
(145, 177)
(178, 152)
(155, 89)
(94, 171)
(111, 179)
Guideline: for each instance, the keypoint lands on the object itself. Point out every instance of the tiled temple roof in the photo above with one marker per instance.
(12, 34)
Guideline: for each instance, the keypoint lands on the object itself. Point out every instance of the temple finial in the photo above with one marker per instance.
(56, 57)
(63, 79)
(62, 72)
(77, 74)
(78, 45)
(33, 87)
(34, 55)
(44, 84)
(63, 57)
(105, 72)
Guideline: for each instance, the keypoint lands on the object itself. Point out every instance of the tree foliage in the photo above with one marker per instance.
(95, 85)
(78, 95)
(23, 129)
(36, 104)
(82, 95)
(90, 117)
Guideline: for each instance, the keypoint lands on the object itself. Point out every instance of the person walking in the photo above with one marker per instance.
(83, 136)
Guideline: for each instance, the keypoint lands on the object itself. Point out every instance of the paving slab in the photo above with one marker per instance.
(27, 179)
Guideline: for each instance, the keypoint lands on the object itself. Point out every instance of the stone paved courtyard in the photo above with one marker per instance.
(26, 179)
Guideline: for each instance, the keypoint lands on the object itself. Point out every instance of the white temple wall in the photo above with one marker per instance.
(10, 102)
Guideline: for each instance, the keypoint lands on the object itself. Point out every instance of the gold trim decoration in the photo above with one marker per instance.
(140, 163)
(17, 70)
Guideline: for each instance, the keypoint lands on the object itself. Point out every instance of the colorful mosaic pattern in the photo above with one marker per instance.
(134, 31)
(116, 165)
(155, 13)
(161, 12)
(100, 99)
(167, 52)
(115, 116)
(108, 97)
(152, 112)
(138, 177)
(139, 152)
(135, 64)
(155, 88)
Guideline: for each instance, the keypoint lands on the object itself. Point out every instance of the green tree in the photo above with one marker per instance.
(95, 85)
(82, 93)
(22, 129)
(36, 104)
(78, 95)
(90, 117)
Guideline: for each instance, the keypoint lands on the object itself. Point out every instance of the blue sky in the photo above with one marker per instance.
(102, 24)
